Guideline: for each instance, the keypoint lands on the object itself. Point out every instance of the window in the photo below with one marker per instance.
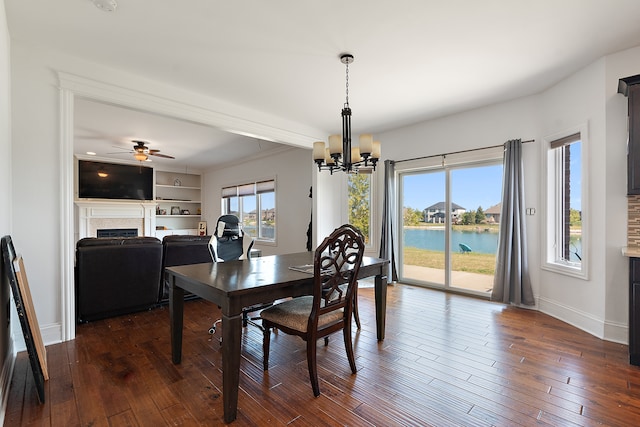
(565, 237)
(254, 203)
(359, 196)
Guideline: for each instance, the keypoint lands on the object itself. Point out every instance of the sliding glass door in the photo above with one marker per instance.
(423, 227)
(450, 222)
(475, 226)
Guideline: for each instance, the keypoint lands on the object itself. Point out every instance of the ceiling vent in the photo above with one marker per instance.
(105, 5)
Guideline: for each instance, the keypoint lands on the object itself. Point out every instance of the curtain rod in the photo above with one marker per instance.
(457, 152)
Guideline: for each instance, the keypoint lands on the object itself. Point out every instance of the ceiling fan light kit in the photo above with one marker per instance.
(140, 156)
(340, 155)
(141, 152)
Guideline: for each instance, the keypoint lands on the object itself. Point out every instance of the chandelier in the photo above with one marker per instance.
(340, 155)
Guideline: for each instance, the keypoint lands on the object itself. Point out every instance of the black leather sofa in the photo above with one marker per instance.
(182, 250)
(120, 275)
(116, 276)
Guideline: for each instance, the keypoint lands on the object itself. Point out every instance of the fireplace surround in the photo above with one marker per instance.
(92, 216)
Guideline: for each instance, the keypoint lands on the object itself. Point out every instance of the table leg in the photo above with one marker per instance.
(381, 304)
(176, 312)
(231, 339)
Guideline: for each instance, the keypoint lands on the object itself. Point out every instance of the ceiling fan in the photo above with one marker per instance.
(141, 152)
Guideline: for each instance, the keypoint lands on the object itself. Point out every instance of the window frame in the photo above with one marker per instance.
(243, 190)
(554, 221)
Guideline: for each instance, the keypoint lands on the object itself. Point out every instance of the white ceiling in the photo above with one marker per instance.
(414, 59)
(109, 130)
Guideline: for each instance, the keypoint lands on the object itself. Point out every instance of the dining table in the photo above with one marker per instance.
(234, 285)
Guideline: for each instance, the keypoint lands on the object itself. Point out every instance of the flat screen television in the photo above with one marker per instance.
(98, 180)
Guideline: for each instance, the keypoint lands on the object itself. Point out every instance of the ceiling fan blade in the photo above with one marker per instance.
(124, 150)
(161, 155)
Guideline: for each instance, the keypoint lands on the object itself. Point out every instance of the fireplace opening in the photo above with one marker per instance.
(117, 232)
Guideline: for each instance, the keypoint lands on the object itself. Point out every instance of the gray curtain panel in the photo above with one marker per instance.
(511, 283)
(388, 244)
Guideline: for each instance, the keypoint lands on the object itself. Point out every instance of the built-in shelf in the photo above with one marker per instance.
(181, 191)
(176, 186)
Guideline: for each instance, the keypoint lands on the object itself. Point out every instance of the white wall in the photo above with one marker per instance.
(36, 191)
(5, 205)
(328, 209)
(578, 100)
(292, 170)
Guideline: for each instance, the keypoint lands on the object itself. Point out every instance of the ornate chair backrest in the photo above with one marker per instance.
(337, 261)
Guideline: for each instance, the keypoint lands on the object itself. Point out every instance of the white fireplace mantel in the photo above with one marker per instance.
(117, 214)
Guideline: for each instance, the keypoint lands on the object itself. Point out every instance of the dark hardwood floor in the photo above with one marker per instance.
(447, 360)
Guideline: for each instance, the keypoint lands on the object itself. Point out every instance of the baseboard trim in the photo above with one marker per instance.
(609, 331)
(51, 334)
(616, 332)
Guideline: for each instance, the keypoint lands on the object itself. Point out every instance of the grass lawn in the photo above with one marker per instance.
(471, 262)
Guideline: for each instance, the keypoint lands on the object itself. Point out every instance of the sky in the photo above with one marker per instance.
(575, 200)
(476, 186)
(470, 188)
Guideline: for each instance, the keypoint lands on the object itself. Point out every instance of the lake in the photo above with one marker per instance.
(481, 242)
(433, 239)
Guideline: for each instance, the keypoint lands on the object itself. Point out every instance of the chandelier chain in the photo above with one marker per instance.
(347, 85)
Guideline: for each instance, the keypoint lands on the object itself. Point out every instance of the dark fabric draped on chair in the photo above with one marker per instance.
(387, 242)
(511, 282)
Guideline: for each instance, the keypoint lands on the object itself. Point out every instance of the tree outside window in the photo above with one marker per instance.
(360, 203)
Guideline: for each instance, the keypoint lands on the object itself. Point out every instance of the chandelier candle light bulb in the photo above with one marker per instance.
(355, 154)
(376, 150)
(340, 155)
(318, 150)
(335, 144)
(327, 158)
(366, 143)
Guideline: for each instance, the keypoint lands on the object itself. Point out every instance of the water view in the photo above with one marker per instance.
(481, 241)
(433, 239)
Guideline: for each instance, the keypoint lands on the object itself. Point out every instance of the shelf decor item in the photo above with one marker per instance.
(177, 182)
(185, 212)
(202, 228)
(175, 210)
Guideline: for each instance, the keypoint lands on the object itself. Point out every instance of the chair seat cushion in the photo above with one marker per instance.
(294, 314)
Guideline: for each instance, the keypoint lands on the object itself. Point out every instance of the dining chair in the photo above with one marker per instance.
(336, 263)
